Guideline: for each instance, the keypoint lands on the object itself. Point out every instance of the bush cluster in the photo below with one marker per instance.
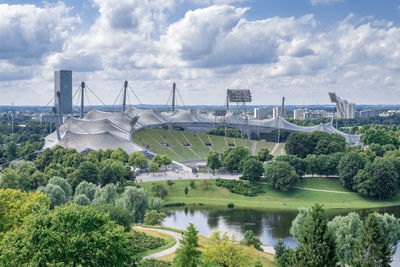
(239, 187)
(142, 242)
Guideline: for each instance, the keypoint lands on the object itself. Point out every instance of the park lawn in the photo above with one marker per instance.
(271, 199)
(323, 183)
(170, 241)
(265, 258)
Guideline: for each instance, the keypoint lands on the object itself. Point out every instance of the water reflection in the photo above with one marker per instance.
(269, 226)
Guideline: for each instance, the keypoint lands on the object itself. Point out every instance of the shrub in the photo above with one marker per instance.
(152, 217)
(153, 263)
(230, 205)
(192, 184)
(239, 187)
(177, 204)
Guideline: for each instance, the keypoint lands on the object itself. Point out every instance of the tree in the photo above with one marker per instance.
(81, 200)
(213, 161)
(295, 229)
(252, 170)
(162, 160)
(138, 159)
(378, 137)
(135, 200)
(283, 254)
(170, 183)
(348, 167)
(16, 206)
(112, 171)
(232, 157)
(391, 229)
(118, 214)
(70, 236)
(347, 231)
(87, 189)
(63, 184)
(187, 255)
(374, 249)
(378, 179)
(153, 166)
(313, 164)
(225, 251)
(316, 245)
(11, 151)
(297, 163)
(158, 190)
(106, 195)
(152, 217)
(264, 154)
(186, 191)
(281, 175)
(120, 155)
(87, 171)
(251, 240)
(55, 193)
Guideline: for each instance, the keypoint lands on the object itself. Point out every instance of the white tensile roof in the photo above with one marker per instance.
(102, 130)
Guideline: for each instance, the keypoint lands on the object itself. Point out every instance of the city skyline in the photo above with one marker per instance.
(301, 50)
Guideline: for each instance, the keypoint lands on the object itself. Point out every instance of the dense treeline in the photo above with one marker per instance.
(345, 240)
(230, 132)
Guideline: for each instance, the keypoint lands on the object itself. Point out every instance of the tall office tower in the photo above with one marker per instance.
(350, 111)
(276, 111)
(63, 84)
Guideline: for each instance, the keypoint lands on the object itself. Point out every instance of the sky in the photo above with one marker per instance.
(299, 49)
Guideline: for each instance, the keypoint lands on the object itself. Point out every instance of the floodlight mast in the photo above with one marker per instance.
(241, 96)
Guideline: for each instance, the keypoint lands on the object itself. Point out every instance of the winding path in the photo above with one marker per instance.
(167, 251)
(178, 237)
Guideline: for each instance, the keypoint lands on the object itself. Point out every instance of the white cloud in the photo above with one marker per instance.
(205, 52)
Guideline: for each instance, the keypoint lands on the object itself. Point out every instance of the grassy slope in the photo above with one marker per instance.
(155, 137)
(271, 199)
(323, 183)
(266, 259)
(170, 241)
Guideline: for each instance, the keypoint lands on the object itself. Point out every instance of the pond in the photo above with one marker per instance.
(268, 225)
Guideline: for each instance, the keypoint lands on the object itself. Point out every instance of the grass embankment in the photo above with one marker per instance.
(155, 138)
(323, 183)
(170, 241)
(266, 259)
(272, 199)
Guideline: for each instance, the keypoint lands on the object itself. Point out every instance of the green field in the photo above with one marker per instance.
(272, 199)
(155, 138)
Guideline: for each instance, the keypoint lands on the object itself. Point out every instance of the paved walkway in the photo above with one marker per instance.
(268, 249)
(171, 175)
(328, 191)
(168, 250)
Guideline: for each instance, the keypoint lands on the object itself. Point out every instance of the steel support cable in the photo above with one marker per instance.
(169, 97)
(119, 94)
(27, 126)
(179, 94)
(135, 94)
(95, 95)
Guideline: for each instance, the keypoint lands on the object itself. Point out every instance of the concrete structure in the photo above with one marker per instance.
(276, 112)
(63, 84)
(260, 113)
(365, 113)
(345, 109)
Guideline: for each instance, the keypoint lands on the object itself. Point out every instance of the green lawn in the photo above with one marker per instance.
(323, 183)
(271, 199)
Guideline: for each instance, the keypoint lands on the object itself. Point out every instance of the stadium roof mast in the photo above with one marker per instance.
(124, 96)
(173, 96)
(83, 85)
(241, 96)
(282, 115)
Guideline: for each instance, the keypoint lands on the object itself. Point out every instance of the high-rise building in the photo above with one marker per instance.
(63, 84)
(260, 113)
(276, 111)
